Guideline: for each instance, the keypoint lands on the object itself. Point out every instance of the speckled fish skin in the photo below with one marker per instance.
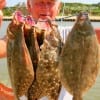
(79, 62)
(19, 62)
(32, 46)
(47, 81)
(34, 90)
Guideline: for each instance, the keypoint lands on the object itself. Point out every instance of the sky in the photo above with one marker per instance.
(14, 2)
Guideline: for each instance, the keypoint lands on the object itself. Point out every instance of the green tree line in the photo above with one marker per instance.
(66, 9)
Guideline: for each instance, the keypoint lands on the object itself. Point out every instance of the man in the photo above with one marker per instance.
(42, 9)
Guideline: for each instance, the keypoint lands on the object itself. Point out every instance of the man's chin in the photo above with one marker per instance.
(44, 17)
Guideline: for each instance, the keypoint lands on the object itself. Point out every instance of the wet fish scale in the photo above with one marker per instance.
(48, 77)
(33, 47)
(47, 82)
(34, 90)
(19, 62)
(79, 62)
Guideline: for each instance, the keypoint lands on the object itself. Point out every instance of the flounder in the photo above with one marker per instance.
(47, 82)
(79, 60)
(20, 66)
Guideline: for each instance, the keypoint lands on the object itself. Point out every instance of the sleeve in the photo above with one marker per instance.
(64, 31)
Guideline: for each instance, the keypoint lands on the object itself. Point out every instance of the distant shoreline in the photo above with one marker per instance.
(92, 18)
(58, 18)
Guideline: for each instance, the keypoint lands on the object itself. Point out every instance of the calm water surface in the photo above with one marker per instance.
(92, 94)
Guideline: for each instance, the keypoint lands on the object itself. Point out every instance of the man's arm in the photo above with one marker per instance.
(3, 52)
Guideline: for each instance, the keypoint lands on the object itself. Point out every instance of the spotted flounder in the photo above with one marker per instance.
(79, 60)
(47, 82)
(19, 61)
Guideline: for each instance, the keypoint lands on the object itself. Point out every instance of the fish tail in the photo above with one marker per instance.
(77, 97)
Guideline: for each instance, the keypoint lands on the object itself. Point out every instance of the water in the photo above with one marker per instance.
(70, 23)
(66, 23)
(92, 94)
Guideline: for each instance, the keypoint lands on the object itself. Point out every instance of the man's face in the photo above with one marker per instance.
(43, 8)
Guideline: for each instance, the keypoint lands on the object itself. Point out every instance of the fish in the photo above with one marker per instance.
(47, 82)
(32, 44)
(79, 59)
(19, 62)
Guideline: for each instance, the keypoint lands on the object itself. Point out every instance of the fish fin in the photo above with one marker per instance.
(77, 97)
(23, 98)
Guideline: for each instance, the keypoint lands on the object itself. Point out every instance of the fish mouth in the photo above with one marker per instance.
(82, 17)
